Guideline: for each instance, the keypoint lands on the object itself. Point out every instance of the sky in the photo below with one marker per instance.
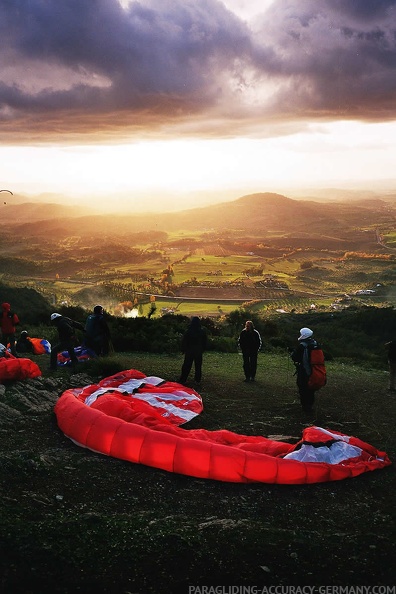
(169, 104)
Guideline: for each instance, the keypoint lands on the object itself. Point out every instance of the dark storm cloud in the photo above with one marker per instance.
(336, 58)
(91, 66)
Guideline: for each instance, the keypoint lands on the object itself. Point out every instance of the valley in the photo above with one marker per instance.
(264, 250)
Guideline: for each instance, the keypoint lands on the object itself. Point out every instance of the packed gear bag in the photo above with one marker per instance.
(94, 325)
(318, 377)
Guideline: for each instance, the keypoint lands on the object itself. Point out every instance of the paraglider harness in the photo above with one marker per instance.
(12, 315)
(313, 362)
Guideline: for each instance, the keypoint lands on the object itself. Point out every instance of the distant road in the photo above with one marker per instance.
(380, 241)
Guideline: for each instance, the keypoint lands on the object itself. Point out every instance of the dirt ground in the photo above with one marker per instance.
(72, 520)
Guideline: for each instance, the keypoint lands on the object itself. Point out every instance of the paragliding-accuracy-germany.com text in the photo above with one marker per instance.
(292, 590)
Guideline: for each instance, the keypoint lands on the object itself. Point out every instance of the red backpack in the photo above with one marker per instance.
(318, 377)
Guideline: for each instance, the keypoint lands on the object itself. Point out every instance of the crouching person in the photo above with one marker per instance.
(67, 338)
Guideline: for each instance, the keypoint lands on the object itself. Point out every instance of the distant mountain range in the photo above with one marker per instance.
(261, 212)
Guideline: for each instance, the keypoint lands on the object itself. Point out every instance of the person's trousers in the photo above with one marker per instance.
(10, 339)
(307, 396)
(249, 364)
(58, 348)
(189, 359)
(392, 375)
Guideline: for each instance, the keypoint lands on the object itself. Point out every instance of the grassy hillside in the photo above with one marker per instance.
(72, 520)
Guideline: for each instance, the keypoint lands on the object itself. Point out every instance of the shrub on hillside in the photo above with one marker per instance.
(235, 321)
(357, 333)
(31, 307)
(224, 344)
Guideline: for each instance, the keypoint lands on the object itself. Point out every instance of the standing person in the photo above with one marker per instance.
(301, 357)
(391, 346)
(9, 321)
(97, 333)
(193, 345)
(67, 337)
(250, 343)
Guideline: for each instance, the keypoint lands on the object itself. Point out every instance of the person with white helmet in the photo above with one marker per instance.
(67, 338)
(301, 358)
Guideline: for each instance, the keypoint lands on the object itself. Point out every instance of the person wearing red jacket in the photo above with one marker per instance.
(9, 320)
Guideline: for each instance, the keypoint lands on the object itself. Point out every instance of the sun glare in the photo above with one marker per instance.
(319, 155)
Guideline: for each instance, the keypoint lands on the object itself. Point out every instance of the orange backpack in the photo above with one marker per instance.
(318, 377)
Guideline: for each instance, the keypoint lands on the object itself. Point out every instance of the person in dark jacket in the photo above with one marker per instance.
(391, 348)
(301, 356)
(23, 344)
(8, 322)
(193, 346)
(250, 343)
(67, 337)
(97, 333)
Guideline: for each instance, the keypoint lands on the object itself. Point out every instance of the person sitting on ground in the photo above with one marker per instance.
(67, 339)
(36, 346)
(97, 333)
(23, 344)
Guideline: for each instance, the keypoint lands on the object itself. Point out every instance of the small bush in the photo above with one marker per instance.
(223, 344)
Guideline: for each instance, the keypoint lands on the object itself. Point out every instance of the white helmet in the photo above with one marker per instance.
(54, 316)
(305, 333)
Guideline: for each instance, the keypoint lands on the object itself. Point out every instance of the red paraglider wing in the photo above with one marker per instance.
(135, 418)
(18, 369)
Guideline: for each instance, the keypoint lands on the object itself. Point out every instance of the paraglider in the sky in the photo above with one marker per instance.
(9, 193)
(135, 418)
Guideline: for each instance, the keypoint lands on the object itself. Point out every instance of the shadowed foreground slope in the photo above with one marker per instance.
(73, 520)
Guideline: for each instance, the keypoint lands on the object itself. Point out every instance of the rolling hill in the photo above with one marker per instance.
(264, 212)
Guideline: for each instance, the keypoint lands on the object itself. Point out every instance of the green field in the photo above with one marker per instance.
(206, 273)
